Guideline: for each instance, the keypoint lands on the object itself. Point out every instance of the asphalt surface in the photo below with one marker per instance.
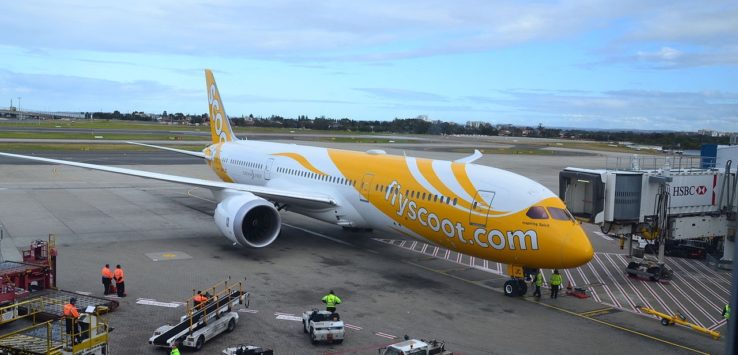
(387, 291)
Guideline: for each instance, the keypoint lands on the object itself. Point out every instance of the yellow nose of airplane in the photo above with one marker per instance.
(576, 247)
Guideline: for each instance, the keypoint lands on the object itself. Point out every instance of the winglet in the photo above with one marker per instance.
(470, 159)
(220, 127)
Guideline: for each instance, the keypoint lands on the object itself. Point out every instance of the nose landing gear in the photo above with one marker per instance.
(515, 287)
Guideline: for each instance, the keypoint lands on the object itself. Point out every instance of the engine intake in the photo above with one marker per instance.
(247, 220)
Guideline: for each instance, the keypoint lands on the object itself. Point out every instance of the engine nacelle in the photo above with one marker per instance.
(247, 220)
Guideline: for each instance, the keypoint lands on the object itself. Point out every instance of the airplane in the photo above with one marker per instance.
(477, 210)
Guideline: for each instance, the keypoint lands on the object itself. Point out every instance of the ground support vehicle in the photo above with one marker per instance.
(648, 268)
(247, 350)
(51, 338)
(323, 326)
(415, 347)
(680, 319)
(204, 321)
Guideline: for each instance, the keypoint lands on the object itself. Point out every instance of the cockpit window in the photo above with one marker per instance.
(537, 212)
(559, 213)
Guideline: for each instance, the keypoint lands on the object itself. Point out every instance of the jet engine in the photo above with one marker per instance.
(246, 219)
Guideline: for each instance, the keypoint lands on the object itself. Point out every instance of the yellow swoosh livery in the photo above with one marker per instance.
(477, 210)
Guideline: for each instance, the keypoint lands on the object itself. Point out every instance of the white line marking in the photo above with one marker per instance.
(351, 326)
(385, 335)
(252, 311)
(292, 318)
(318, 234)
(83, 293)
(156, 303)
(283, 314)
(603, 235)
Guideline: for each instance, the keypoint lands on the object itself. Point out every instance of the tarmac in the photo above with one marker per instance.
(164, 237)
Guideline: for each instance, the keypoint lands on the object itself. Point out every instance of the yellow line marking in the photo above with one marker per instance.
(569, 312)
(596, 311)
(454, 269)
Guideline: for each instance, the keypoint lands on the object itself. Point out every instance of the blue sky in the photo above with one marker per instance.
(606, 64)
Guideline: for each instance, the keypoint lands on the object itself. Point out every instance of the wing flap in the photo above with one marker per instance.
(264, 192)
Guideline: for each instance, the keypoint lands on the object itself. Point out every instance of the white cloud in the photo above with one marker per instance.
(638, 109)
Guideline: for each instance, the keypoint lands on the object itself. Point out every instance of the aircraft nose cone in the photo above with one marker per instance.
(576, 248)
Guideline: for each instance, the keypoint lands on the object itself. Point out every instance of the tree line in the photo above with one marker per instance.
(667, 140)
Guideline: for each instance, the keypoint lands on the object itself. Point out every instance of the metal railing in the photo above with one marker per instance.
(637, 162)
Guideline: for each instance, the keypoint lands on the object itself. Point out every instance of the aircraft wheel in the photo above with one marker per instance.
(655, 273)
(511, 288)
(522, 288)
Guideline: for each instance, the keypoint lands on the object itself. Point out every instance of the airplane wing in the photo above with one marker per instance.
(188, 152)
(470, 159)
(284, 196)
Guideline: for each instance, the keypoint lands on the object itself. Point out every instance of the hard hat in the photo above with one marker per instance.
(73, 300)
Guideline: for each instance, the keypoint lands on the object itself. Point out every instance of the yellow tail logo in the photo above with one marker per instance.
(220, 127)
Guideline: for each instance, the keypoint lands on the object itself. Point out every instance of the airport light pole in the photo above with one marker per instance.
(1, 239)
(20, 113)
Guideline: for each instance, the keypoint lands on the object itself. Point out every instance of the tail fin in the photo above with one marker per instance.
(220, 127)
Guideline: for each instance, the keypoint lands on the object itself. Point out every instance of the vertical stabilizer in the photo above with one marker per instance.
(220, 127)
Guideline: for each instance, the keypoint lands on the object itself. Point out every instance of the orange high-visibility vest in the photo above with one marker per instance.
(119, 275)
(106, 273)
(199, 298)
(70, 311)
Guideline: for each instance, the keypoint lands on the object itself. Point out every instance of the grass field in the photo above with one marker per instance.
(38, 147)
(154, 126)
(103, 136)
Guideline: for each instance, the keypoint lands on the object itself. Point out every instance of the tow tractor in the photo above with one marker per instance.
(415, 347)
(204, 321)
(323, 326)
(247, 350)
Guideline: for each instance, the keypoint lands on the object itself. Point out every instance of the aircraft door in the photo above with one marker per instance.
(481, 206)
(366, 184)
(268, 169)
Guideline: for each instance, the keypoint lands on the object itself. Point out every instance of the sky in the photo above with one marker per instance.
(626, 64)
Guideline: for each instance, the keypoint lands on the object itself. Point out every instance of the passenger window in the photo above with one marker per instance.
(455, 199)
(559, 213)
(537, 212)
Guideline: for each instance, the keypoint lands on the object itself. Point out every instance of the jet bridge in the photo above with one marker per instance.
(660, 204)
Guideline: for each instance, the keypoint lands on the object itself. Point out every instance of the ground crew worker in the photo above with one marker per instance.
(71, 315)
(120, 284)
(726, 312)
(174, 351)
(538, 283)
(555, 283)
(107, 278)
(331, 300)
(199, 299)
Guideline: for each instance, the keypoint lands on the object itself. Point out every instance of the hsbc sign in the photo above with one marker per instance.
(693, 190)
(688, 190)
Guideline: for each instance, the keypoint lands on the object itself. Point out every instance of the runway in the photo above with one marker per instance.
(390, 286)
